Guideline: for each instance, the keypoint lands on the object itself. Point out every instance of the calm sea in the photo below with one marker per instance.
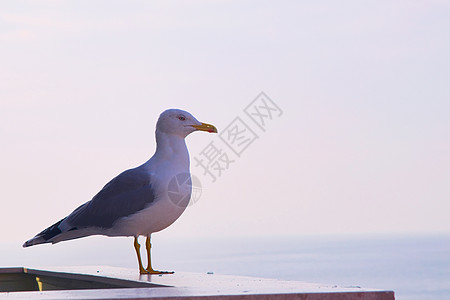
(415, 267)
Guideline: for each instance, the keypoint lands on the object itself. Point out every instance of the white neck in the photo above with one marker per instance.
(173, 148)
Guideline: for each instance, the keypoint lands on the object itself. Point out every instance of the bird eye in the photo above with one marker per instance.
(181, 118)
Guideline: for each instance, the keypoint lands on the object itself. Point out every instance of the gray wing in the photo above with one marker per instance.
(126, 194)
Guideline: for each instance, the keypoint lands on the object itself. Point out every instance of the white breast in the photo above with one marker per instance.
(152, 219)
(167, 173)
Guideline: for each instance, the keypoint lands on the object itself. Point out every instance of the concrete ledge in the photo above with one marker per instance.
(120, 283)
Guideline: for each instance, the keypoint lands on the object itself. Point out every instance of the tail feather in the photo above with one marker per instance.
(45, 236)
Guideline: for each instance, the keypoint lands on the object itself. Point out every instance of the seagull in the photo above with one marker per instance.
(138, 201)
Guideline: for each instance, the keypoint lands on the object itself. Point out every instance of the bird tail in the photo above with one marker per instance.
(45, 236)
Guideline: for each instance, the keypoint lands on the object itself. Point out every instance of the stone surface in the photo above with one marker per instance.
(194, 286)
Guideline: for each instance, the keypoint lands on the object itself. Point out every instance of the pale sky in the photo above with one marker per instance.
(362, 144)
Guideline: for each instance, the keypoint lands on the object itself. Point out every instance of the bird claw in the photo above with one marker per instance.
(161, 272)
(154, 272)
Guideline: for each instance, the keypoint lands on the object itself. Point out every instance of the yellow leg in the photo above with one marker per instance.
(148, 246)
(150, 270)
(137, 247)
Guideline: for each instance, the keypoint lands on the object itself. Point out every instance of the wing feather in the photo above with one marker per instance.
(126, 194)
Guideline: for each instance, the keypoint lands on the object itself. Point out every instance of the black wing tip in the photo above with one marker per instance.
(33, 241)
(45, 236)
(51, 231)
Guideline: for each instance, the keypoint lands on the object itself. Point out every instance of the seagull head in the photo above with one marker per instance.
(181, 123)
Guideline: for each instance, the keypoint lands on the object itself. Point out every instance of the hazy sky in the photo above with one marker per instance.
(362, 144)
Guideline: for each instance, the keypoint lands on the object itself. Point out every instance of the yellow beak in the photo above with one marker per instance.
(205, 127)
